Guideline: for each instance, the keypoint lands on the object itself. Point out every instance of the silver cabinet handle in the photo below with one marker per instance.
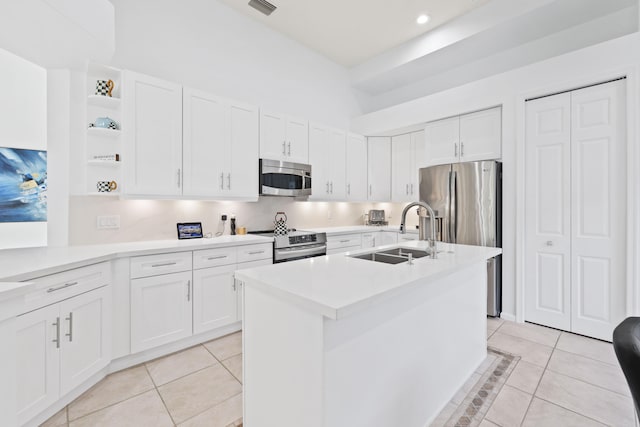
(234, 286)
(289, 154)
(370, 189)
(66, 285)
(407, 190)
(345, 241)
(70, 319)
(222, 181)
(179, 176)
(455, 149)
(57, 325)
(229, 181)
(284, 148)
(256, 252)
(461, 149)
(349, 189)
(549, 243)
(216, 257)
(331, 187)
(164, 264)
(188, 290)
(327, 187)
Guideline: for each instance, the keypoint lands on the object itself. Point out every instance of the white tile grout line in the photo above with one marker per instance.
(166, 408)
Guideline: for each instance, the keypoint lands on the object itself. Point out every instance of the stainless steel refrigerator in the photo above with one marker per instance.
(467, 201)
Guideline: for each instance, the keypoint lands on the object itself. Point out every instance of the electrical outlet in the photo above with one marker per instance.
(106, 222)
(223, 217)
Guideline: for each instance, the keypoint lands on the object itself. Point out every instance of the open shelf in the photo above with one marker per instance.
(104, 101)
(106, 163)
(111, 133)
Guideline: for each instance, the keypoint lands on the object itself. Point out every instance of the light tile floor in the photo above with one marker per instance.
(561, 380)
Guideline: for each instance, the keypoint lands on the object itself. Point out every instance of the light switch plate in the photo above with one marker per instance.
(106, 222)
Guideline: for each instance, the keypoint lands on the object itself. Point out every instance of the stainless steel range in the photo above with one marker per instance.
(297, 244)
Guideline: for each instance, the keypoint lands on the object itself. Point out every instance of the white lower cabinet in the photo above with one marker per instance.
(59, 347)
(388, 238)
(161, 310)
(372, 239)
(214, 298)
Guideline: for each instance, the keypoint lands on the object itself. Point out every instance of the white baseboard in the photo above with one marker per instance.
(508, 316)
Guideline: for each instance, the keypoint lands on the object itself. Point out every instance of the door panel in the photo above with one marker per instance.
(319, 158)
(598, 209)
(86, 337)
(38, 358)
(481, 135)
(214, 298)
(356, 167)
(379, 168)
(337, 159)
(273, 129)
(442, 141)
(401, 160)
(547, 212)
(205, 148)
(475, 203)
(435, 191)
(243, 143)
(297, 140)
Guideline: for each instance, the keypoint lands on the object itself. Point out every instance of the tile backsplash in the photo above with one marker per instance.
(156, 219)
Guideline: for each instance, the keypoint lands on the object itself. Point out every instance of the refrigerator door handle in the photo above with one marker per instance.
(453, 211)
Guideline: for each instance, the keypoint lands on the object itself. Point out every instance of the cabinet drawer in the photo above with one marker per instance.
(214, 257)
(60, 286)
(407, 236)
(344, 241)
(152, 265)
(255, 252)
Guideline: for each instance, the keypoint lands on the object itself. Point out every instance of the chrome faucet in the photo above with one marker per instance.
(432, 219)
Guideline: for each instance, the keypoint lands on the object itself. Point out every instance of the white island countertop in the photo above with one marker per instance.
(339, 285)
(17, 265)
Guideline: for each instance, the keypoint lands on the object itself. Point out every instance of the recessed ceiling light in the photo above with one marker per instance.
(422, 19)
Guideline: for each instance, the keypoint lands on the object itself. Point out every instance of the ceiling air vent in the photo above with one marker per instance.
(262, 6)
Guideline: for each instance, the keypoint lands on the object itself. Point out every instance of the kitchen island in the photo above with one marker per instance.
(342, 341)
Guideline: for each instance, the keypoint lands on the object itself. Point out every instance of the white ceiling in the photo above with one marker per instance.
(350, 32)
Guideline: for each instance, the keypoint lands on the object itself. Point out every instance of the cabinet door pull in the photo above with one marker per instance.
(331, 187)
(284, 148)
(289, 154)
(70, 334)
(407, 189)
(164, 264)
(234, 285)
(216, 257)
(222, 181)
(345, 241)
(349, 189)
(229, 181)
(66, 285)
(179, 176)
(370, 189)
(327, 187)
(256, 252)
(455, 149)
(188, 290)
(57, 338)
(461, 149)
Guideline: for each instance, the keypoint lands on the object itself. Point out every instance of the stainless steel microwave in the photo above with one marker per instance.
(278, 178)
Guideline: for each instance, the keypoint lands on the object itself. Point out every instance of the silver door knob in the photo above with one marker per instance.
(549, 243)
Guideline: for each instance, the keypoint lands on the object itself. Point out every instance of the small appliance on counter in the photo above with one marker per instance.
(377, 217)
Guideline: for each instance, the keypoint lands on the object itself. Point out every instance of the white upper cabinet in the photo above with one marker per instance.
(327, 157)
(220, 147)
(407, 152)
(466, 138)
(379, 168)
(283, 138)
(153, 148)
(356, 168)
(481, 135)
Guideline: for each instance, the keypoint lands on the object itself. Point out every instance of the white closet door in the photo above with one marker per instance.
(548, 211)
(598, 200)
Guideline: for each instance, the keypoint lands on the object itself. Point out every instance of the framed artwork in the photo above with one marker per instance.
(23, 185)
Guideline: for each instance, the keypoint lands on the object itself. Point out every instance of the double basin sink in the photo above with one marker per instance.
(394, 256)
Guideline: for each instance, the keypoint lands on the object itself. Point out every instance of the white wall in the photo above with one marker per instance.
(23, 109)
(156, 219)
(209, 46)
(591, 65)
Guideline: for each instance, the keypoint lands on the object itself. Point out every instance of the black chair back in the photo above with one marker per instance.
(626, 343)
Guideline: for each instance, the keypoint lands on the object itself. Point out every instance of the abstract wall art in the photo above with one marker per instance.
(23, 185)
